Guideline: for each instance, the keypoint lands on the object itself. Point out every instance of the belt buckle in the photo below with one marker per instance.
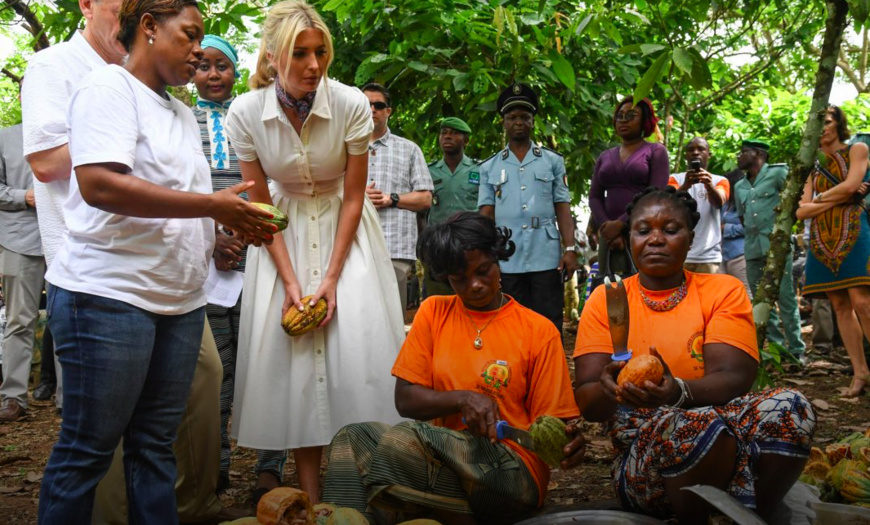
(536, 222)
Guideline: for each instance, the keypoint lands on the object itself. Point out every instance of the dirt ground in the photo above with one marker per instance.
(25, 445)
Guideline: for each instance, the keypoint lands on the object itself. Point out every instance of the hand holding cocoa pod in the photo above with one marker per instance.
(326, 292)
(648, 394)
(248, 222)
(296, 323)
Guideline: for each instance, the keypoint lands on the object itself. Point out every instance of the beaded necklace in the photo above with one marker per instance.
(668, 303)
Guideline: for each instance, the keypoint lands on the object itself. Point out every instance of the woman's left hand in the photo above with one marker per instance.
(650, 395)
(326, 291)
(576, 449)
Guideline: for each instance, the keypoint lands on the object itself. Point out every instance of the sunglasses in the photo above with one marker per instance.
(380, 106)
(627, 116)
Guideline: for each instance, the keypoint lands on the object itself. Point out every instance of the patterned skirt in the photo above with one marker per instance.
(654, 444)
(414, 468)
(839, 255)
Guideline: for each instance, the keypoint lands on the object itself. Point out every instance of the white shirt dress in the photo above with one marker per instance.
(294, 392)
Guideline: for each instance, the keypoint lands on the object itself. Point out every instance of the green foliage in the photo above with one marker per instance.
(772, 357)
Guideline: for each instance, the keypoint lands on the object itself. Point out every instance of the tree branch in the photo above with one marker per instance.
(32, 23)
(12, 76)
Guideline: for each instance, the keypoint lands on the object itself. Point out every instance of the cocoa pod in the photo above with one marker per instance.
(285, 506)
(641, 368)
(279, 218)
(298, 323)
(549, 437)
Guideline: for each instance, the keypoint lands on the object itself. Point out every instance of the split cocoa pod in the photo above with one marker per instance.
(298, 323)
(279, 218)
(285, 506)
(641, 368)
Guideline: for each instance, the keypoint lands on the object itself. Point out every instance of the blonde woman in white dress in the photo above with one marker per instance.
(309, 136)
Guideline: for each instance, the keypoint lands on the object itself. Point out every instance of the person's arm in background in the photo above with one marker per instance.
(44, 100)
(11, 199)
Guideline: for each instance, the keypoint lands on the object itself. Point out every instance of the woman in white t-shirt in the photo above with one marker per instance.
(127, 308)
(309, 135)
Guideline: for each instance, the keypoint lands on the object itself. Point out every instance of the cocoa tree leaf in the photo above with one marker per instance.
(683, 60)
(563, 69)
(649, 78)
(821, 404)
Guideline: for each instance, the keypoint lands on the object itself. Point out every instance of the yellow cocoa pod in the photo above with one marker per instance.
(816, 454)
(298, 323)
(641, 368)
(285, 505)
(322, 512)
(837, 452)
(346, 516)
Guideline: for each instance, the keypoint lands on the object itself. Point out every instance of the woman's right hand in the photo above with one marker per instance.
(611, 230)
(480, 413)
(244, 219)
(292, 297)
(608, 379)
(227, 252)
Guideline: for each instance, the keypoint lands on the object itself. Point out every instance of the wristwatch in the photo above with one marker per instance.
(395, 198)
(574, 248)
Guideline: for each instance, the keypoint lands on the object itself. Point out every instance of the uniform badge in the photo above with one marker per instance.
(474, 178)
(504, 154)
(517, 89)
(536, 151)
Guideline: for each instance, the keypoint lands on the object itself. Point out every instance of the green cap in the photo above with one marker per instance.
(456, 123)
(756, 144)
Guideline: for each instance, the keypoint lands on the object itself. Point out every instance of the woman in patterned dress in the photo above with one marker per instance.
(701, 424)
(837, 264)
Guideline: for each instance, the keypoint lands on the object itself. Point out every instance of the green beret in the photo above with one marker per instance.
(456, 123)
(756, 144)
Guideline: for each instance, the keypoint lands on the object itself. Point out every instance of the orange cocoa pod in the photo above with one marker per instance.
(285, 506)
(641, 368)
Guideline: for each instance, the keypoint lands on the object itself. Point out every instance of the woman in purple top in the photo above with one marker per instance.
(622, 172)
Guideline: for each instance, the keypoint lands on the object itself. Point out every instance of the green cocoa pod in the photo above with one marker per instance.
(550, 439)
(346, 516)
(279, 218)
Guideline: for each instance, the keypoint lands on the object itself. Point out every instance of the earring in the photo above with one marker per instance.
(151, 40)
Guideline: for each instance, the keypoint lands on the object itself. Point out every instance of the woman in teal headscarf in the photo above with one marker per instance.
(214, 80)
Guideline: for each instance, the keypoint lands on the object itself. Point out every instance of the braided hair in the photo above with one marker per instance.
(680, 199)
(442, 247)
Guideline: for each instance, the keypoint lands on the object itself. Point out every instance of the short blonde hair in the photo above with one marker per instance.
(283, 24)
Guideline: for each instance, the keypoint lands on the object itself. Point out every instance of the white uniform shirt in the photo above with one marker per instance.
(707, 246)
(52, 76)
(158, 265)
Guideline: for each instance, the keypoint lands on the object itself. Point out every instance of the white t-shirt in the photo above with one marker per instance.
(51, 77)
(707, 246)
(158, 265)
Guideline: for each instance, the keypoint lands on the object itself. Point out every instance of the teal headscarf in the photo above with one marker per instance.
(224, 47)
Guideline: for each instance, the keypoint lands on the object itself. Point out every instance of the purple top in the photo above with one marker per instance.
(615, 183)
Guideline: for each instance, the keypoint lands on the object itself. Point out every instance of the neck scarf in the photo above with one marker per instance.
(220, 144)
(302, 106)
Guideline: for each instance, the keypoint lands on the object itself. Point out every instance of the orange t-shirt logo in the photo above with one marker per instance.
(496, 374)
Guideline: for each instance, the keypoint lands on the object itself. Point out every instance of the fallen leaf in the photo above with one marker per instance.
(821, 404)
(11, 490)
(798, 382)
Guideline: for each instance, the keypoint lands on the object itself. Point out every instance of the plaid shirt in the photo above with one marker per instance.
(396, 165)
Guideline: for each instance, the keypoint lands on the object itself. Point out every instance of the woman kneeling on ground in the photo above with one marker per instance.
(701, 425)
(470, 360)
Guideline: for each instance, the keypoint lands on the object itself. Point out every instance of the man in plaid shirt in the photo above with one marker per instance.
(399, 186)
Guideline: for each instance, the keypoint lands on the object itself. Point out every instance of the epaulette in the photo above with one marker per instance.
(779, 165)
(551, 150)
(536, 151)
(505, 154)
(487, 159)
(434, 162)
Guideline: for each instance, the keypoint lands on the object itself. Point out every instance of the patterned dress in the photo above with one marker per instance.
(839, 238)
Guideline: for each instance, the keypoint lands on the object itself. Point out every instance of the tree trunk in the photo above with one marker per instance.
(780, 240)
(31, 23)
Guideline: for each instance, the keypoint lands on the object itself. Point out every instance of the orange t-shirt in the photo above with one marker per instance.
(716, 309)
(521, 365)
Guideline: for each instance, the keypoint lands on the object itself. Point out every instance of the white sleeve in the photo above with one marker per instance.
(44, 98)
(103, 124)
(359, 124)
(238, 133)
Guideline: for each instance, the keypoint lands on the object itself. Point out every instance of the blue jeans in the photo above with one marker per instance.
(126, 372)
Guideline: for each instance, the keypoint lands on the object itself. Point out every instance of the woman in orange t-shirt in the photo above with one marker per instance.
(470, 360)
(701, 425)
